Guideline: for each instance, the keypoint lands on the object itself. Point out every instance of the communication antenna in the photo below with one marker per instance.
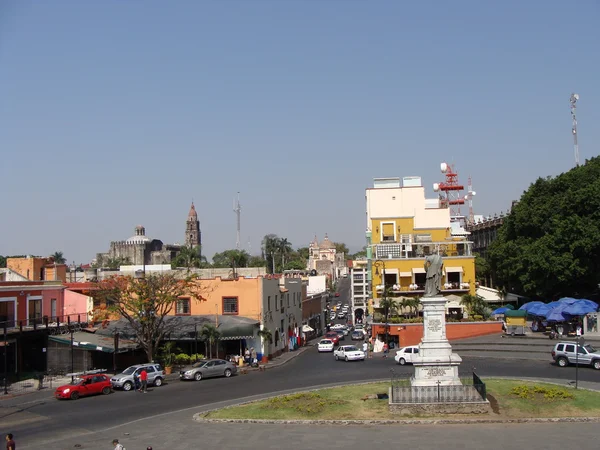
(237, 209)
(470, 194)
(574, 98)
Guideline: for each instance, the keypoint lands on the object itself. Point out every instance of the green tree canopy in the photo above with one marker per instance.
(549, 244)
(58, 257)
(231, 258)
(340, 247)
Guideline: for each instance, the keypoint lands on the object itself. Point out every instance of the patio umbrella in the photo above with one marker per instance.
(567, 300)
(528, 306)
(501, 310)
(509, 307)
(540, 310)
(580, 309)
(557, 314)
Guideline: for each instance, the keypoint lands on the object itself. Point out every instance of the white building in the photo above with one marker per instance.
(359, 289)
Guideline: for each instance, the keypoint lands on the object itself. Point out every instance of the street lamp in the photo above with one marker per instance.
(377, 264)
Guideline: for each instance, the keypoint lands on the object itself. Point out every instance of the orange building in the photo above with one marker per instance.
(38, 269)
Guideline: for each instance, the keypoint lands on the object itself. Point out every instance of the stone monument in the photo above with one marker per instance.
(436, 364)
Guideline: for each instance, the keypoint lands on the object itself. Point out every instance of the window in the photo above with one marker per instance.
(387, 232)
(35, 311)
(230, 305)
(183, 307)
(570, 349)
(288, 299)
(269, 303)
(276, 301)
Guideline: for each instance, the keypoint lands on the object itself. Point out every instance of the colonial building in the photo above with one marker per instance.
(141, 250)
(403, 227)
(359, 288)
(34, 268)
(324, 258)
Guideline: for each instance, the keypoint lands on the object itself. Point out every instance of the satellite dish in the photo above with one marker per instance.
(443, 167)
(436, 187)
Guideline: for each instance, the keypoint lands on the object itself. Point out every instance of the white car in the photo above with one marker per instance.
(407, 354)
(325, 345)
(337, 326)
(349, 353)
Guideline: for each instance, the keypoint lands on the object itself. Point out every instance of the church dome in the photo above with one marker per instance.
(139, 237)
(192, 215)
(326, 243)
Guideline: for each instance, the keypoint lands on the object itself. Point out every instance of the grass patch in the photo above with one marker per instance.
(509, 398)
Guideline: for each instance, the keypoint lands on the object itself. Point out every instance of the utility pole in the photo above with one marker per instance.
(573, 101)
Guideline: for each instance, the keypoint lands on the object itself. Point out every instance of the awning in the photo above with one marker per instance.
(283, 290)
(454, 305)
(234, 332)
(405, 274)
(418, 270)
(454, 269)
(390, 271)
(307, 329)
(95, 342)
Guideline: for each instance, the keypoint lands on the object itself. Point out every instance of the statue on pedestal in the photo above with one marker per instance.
(433, 282)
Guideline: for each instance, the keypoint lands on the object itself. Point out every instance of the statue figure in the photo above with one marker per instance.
(433, 283)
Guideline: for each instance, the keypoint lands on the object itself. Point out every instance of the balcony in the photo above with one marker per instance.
(448, 249)
(412, 289)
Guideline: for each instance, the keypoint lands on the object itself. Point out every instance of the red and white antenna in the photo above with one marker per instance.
(469, 197)
(451, 188)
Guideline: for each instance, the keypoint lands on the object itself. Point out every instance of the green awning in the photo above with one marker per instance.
(235, 331)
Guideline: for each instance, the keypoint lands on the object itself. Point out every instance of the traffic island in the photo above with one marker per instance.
(509, 401)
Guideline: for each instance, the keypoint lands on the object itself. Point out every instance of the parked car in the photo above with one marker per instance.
(83, 386)
(349, 353)
(337, 294)
(406, 354)
(333, 336)
(125, 379)
(208, 368)
(326, 345)
(564, 354)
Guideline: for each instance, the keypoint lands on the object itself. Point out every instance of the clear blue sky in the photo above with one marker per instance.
(115, 113)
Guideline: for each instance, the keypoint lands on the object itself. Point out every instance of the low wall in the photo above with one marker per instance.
(411, 333)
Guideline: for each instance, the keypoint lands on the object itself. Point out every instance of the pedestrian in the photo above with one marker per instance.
(144, 380)
(10, 442)
(136, 380)
(366, 349)
(118, 446)
(252, 354)
(148, 448)
(385, 349)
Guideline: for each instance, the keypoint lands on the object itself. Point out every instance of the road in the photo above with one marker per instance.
(38, 417)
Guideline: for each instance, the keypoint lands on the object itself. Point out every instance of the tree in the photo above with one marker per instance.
(270, 249)
(476, 305)
(209, 334)
(2, 262)
(145, 303)
(257, 261)
(285, 249)
(412, 304)
(302, 254)
(360, 254)
(482, 268)
(340, 247)
(58, 258)
(230, 259)
(388, 304)
(295, 265)
(549, 244)
(188, 257)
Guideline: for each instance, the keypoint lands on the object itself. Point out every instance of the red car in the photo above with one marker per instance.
(337, 294)
(333, 336)
(84, 385)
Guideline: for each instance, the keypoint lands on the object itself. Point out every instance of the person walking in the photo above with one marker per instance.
(365, 349)
(118, 446)
(10, 442)
(144, 380)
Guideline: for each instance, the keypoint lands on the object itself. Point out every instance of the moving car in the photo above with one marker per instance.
(349, 353)
(337, 294)
(564, 354)
(84, 385)
(357, 335)
(326, 345)
(125, 379)
(406, 354)
(208, 368)
(333, 336)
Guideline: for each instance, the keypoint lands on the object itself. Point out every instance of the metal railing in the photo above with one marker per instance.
(391, 250)
(54, 325)
(471, 389)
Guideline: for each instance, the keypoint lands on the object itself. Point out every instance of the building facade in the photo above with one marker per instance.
(34, 268)
(193, 236)
(325, 259)
(403, 227)
(359, 289)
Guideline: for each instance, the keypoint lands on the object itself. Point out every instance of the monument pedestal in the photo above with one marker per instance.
(436, 364)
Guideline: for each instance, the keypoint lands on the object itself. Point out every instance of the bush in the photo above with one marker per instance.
(182, 359)
(536, 392)
(195, 357)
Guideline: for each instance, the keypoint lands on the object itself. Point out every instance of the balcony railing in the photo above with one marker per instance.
(54, 325)
(421, 287)
(420, 250)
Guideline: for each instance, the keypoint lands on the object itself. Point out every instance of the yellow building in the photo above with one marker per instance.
(403, 227)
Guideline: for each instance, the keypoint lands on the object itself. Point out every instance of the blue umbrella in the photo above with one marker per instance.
(554, 304)
(501, 310)
(588, 303)
(580, 309)
(528, 306)
(557, 314)
(540, 310)
(567, 300)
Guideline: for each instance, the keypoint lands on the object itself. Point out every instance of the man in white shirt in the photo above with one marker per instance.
(366, 349)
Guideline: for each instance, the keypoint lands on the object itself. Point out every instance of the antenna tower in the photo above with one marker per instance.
(470, 194)
(237, 209)
(450, 196)
(574, 98)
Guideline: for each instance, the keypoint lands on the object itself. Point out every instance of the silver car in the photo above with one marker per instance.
(125, 379)
(207, 368)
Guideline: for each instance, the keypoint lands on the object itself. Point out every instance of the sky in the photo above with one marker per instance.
(116, 113)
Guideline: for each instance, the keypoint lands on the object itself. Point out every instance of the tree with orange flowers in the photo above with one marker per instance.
(145, 303)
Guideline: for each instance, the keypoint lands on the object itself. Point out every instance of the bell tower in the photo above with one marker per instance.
(193, 237)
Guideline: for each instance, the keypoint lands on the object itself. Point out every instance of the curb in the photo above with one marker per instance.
(586, 419)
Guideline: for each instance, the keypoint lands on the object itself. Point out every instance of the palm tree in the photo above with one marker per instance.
(285, 248)
(188, 257)
(58, 258)
(475, 304)
(209, 334)
(412, 304)
(270, 247)
(388, 304)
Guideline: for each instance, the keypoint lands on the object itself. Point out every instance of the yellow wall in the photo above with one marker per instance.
(402, 226)
(248, 291)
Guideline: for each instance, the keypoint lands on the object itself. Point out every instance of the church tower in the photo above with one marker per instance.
(193, 237)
